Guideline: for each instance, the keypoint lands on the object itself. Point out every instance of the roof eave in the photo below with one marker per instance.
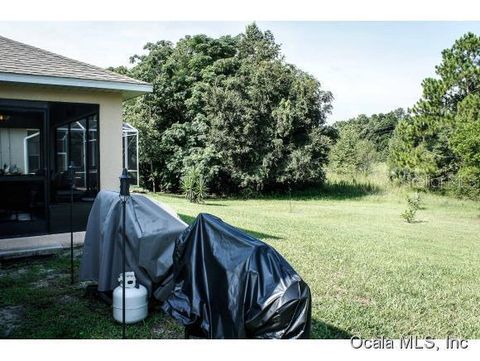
(128, 90)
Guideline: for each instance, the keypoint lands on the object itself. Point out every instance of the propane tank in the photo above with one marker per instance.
(136, 300)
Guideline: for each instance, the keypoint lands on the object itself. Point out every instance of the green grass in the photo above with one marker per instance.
(53, 308)
(370, 273)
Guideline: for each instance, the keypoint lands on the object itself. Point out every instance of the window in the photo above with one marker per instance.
(20, 151)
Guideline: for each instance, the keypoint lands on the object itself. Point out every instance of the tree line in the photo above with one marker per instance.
(233, 113)
(436, 144)
(364, 140)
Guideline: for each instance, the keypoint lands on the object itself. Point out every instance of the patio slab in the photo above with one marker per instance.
(38, 245)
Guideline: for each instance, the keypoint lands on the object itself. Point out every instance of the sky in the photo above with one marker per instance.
(370, 67)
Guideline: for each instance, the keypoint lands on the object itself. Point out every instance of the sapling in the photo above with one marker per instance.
(413, 204)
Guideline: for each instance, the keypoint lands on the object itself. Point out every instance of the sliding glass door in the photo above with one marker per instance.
(23, 178)
(74, 140)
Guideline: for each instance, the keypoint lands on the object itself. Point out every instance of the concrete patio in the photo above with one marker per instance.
(38, 245)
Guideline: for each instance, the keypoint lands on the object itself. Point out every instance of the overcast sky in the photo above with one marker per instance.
(370, 67)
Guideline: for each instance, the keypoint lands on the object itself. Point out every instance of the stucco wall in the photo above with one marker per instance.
(110, 121)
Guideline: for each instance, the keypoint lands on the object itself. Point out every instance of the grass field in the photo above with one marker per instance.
(370, 273)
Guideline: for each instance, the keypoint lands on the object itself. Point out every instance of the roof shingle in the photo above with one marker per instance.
(19, 58)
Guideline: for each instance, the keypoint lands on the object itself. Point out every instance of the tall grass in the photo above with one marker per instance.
(374, 182)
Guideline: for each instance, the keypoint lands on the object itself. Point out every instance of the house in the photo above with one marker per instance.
(54, 111)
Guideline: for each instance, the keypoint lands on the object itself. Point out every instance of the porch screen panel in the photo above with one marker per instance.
(78, 152)
(130, 152)
(61, 157)
(32, 147)
(77, 142)
(92, 154)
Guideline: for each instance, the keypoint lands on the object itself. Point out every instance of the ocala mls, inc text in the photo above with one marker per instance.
(408, 343)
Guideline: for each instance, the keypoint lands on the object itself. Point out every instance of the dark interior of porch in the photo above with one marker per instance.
(38, 141)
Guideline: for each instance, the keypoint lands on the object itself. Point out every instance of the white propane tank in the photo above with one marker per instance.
(136, 300)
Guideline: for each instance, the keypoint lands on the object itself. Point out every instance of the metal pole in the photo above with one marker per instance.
(138, 164)
(124, 201)
(72, 182)
(71, 235)
(124, 194)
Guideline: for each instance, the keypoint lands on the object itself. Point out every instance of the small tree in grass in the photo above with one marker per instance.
(351, 154)
(193, 185)
(413, 205)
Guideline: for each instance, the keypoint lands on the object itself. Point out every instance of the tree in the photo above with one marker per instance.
(422, 144)
(378, 129)
(465, 143)
(351, 154)
(233, 109)
(165, 117)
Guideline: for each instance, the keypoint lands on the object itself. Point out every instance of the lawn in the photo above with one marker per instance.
(38, 301)
(370, 273)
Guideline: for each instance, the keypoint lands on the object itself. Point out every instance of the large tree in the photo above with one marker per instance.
(465, 143)
(422, 145)
(232, 108)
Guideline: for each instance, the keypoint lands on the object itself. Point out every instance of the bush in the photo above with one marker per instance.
(138, 190)
(193, 186)
(465, 184)
(414, 201)
(413, 204)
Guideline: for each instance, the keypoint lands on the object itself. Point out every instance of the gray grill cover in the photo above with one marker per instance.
(151, 232)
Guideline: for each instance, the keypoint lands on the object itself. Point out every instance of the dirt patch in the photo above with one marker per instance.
(40, 284)
(167, 329)
(13, 273)
(10, 319)
(365, 301)
(49, 279)
(337, 291)
(47, 271)
(66, 299)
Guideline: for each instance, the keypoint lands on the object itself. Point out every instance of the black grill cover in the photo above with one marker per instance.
(231, 285)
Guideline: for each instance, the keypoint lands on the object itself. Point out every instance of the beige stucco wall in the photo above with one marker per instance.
(110, 121)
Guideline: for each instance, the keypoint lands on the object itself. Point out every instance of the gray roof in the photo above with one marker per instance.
(25, 60)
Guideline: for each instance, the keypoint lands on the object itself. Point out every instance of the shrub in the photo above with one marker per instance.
(139, 190)
(413, 204)
(465, 184)
(193, 185)
(408, 215)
